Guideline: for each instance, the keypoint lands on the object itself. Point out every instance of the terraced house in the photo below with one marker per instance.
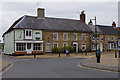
(40, 34)
(107, 39)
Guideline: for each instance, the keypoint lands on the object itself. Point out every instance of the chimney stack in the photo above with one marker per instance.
(82, 16)
(40, 13)
(114, 24)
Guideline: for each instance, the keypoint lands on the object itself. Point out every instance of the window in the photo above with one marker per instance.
(106, 38)
(112, 38)
(37, 46)
(55, 36)
(83, 37)
(28, 34)
(112, 45)
(65, 37)
(65, 44)
(55, 45)
(37, 35)
(75, 37)
(20, 46)
(93, 38)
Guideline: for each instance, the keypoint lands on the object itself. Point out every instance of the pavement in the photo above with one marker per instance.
(108, 62)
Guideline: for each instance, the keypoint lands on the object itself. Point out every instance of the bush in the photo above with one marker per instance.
(71, 49)
(55, 49)
(65, 47)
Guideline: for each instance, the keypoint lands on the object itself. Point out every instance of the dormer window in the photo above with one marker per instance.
(28, 34)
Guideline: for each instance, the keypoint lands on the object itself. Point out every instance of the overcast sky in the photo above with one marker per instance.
(106, 12)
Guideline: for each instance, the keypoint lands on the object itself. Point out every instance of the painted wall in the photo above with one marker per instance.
(34, 34)
(9, 43)
(19, 34)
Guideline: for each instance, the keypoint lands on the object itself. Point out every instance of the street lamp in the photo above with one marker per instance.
(96, 35)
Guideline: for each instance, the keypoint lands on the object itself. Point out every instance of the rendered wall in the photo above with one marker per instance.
(9, 43)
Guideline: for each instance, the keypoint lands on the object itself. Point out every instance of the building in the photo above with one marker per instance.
(107, 37)
(31, 34)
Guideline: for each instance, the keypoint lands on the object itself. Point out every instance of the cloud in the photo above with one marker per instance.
(106, 12)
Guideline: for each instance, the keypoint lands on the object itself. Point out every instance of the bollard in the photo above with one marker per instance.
(115, 54)
(98, 59)
(59, 54)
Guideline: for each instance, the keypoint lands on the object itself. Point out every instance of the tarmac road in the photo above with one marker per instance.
(52, 68)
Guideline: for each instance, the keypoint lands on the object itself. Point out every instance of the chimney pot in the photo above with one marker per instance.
(114, 24)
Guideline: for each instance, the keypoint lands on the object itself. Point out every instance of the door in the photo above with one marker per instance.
(29, 48)
(83, 46)
(101, 47)
(75, 47)
(48, 47)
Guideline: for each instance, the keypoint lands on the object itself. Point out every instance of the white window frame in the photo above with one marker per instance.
(113, 38)
(106, 38)
(54, 44)
(64, 35)
(111, 46)
(76, 36)
(50, 50)
(41, 46)
(65, 43)
(21, 46)
(82, 36)
(28, 37)
(56, 37)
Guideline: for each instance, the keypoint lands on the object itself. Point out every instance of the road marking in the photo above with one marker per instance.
(7, 68)
(78, 64)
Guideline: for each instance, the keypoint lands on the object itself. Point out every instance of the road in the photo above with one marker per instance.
(52, 68)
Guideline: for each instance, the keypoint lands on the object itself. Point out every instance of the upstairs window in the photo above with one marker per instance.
(83, 37)
(65, 37)
(37, 35)
(28, 34)
(75, 37)
(112, 38)
(55, 36)
(106, 38)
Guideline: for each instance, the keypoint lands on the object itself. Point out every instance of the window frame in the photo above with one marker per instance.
(54, 44)
(66, 36)
(28, 34)
(76, 37)
(36, 46)
(83, 36)
(56, 37)
(19, 46)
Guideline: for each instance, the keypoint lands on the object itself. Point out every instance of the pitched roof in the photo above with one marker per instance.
(109, 30)
(47, 23)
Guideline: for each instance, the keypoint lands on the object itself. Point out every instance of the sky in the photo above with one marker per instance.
(106, 11)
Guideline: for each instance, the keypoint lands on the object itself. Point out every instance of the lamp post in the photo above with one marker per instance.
(97, 52)
(95, 35)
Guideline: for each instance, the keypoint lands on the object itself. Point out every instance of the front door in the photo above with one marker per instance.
(29, 48)
(75, 45)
